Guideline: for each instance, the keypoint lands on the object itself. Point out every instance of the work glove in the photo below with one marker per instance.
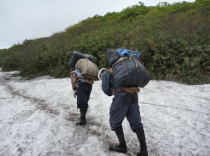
(75, 94)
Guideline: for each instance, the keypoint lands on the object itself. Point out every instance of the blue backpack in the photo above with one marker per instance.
(127, 70)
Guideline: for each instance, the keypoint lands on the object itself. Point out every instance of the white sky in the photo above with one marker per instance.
(29, 19)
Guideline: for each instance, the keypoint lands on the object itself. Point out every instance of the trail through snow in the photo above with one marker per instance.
(37, 117)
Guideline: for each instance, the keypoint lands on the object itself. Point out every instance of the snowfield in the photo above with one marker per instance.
(37, 117)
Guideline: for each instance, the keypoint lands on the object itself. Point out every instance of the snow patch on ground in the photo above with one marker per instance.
(37, 117)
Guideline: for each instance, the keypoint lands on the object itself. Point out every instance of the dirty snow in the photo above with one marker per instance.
(37, 117)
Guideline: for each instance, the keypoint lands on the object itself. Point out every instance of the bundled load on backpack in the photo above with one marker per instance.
(127, 69)
(84, 63)
(76, 56)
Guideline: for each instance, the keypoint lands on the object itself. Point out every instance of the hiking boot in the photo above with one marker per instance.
(118, 148)
(143, 146)
(121, 147)
(143, 152)
(82, 120)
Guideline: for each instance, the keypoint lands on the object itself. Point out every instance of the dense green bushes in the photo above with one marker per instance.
(174, 41)
(2, 55)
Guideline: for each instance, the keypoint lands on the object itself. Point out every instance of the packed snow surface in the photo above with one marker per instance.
(37, 117)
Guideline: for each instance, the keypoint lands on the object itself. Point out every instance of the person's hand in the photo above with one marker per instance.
(75, 94)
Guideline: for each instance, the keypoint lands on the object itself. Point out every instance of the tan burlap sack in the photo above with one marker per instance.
(88, 69)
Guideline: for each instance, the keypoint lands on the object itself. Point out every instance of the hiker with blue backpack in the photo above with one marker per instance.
(123, 79)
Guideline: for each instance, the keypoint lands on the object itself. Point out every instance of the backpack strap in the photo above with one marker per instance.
(126, 89)
(131, 89)
(90, 82)
(120, 60)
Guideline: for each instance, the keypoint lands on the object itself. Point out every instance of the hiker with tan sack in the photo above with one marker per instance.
(83, 73)
(123, 79)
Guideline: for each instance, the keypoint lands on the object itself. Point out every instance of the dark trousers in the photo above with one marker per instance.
(125, 105)
(83, 94)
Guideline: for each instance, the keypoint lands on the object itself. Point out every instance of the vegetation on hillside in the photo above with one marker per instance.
(174, 41)
(2, 56)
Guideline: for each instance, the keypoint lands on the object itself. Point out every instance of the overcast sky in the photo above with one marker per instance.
(29, 19)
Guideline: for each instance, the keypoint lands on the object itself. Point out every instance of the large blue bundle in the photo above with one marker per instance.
(127, 70)
(76, 56)
(125, 52)
(114, 55)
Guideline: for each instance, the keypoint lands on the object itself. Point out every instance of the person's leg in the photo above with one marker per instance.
(142, 140)
(83, 95)
(121, 147)
(134, 120)
(118, 111)
(82, 120)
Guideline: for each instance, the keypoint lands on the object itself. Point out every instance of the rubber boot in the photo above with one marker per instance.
(121, 147)
(83, 112)
(143, 146)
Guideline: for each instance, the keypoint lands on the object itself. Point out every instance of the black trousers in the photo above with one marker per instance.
(83, 94)
(125, 105)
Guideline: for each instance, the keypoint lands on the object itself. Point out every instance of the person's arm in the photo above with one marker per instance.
(107, 83)
(74, 79)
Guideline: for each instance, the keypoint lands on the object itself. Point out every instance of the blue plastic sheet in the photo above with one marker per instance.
(125, 52)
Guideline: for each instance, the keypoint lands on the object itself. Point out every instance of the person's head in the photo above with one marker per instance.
(100, 73)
